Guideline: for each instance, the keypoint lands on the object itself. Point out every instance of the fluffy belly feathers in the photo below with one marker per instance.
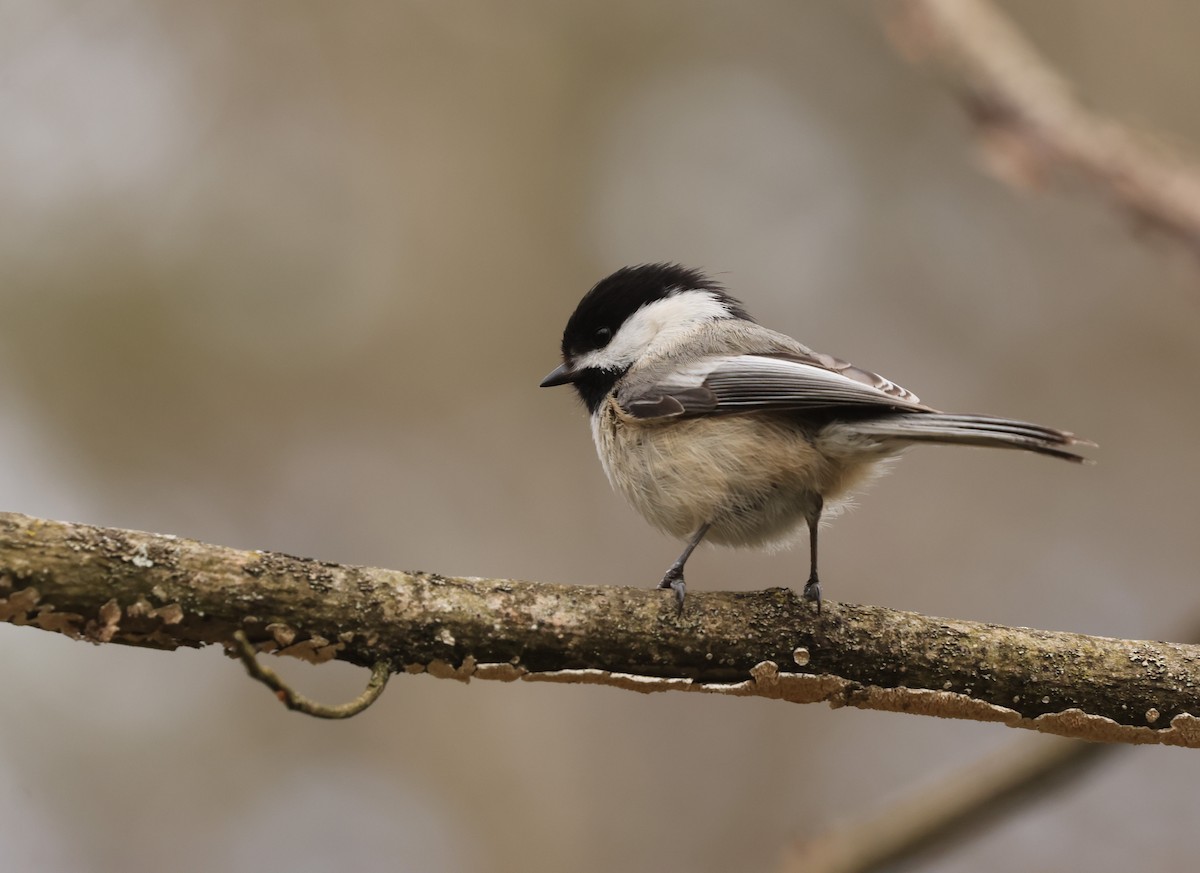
(749, 500)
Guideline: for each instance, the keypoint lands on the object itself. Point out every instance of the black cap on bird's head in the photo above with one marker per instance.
(612, 303)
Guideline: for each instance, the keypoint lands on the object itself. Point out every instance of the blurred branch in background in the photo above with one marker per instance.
(1030, 121)
(120, 586)
(955, 809)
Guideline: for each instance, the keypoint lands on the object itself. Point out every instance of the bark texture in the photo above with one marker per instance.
(120, 586)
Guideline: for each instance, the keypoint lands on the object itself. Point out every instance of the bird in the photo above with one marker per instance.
(717, 429)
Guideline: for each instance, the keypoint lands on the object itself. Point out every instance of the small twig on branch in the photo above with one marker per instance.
(121, 586)
(1031, 122)
(294, 700)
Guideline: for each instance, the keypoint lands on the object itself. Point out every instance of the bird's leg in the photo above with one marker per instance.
(812, 588)
(674, 575)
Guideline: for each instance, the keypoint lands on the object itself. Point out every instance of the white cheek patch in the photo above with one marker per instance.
(654, 324)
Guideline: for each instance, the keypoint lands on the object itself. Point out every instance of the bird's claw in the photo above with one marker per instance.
(674, 580)
(812, 591)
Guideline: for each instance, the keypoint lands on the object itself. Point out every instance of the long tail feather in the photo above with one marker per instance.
(976, 430)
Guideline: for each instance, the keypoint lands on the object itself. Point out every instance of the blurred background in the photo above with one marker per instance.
(286, 276)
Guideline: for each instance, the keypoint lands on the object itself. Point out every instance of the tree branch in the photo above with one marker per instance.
(120, 586)
(1030, 121)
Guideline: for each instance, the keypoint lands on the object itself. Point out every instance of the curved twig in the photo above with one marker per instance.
(294, 700)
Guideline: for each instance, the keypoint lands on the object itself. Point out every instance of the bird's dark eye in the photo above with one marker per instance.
(602, 336)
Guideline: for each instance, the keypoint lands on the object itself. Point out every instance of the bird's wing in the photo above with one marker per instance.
(778, 382)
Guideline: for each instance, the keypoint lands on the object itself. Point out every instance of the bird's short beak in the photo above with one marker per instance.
(561, 375)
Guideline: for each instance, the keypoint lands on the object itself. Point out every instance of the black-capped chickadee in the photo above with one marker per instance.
(713, 426)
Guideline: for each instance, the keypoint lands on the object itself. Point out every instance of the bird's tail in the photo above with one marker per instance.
(975, 430)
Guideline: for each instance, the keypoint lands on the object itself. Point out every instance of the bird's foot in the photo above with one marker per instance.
(812, 591)
(674, 580)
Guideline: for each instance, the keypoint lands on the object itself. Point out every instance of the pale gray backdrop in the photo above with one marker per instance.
(286, 276)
